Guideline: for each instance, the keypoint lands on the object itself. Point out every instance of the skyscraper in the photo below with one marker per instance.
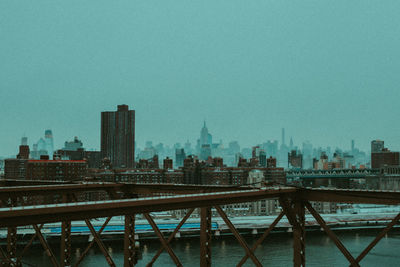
(49, 143)
(377, 146)
(179, 157)
(24, 141)
(118, 136)
(204, 136)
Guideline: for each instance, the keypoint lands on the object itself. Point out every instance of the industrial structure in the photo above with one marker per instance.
(36, 203)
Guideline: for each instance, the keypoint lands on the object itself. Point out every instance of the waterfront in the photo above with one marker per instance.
(275, 251)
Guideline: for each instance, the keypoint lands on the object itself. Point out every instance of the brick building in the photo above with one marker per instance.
(384, 157)
(15, 169)
(58, 170)
(61, 170)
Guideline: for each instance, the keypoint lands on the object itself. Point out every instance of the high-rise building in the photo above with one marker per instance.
(24, 141)
(73, 145)
(381, 156)
(23, 152)
(49, 143)
(179, 157)
(205, 152)
(205, 137)
(167, 163)
(377, 146)
(262, 158)
(295, 160)
(118, 136)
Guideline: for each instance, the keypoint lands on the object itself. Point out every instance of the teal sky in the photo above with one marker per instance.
(327, 71)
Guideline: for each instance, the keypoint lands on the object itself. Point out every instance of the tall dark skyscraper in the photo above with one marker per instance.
(118, 136)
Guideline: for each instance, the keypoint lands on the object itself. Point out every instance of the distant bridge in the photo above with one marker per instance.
(336, 173)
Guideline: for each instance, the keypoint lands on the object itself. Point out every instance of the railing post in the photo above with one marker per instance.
(130, 257)
(65, 244)
(299, 234)
(294, 211)
(205, 237)
(12, 246)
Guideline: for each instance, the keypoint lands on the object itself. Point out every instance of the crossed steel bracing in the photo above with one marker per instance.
(128, 202)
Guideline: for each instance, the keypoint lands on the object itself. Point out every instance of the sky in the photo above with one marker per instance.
(327, 71)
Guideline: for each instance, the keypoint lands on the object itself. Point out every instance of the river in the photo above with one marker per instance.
(275, 251)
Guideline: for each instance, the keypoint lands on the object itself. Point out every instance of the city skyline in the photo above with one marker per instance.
(207, 121)
(141, 144)
(275, 65)
(192, 141)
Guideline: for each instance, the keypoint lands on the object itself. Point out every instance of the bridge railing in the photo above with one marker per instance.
(295, 202)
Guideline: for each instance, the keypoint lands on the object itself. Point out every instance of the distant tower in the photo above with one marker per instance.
(23, 149)
(283, 136)
(352, 146)
(49, 143)
(179, 157)
(291, 143)
(41, 145)
(204, 135)
(24, 141)
(377, 146)
(118, 136)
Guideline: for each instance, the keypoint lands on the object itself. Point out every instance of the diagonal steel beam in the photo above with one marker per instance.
(29, 244)
(378, 238)
(171, 237)
(3, 257)
(331, 235)
(262, 238)
(46, 246)
(162, 239)
(240, 239)
(85, 252)
(100, 243)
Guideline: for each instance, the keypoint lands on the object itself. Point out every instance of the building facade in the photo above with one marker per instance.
(118, 136)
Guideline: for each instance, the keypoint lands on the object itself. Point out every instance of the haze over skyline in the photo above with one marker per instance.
(325, 71)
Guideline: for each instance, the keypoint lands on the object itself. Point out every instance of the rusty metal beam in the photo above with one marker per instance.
(129, 241)
(29, 244)
(46, 246)
(65, 248)
(239, 238)
(95, 209)
(378, 238)
(171, 237)
(10, 182)
(331, 235)
(12, 244)
(205, 236)
(294, 212)
(262, 238)
(299, 234)
(100, 243)
(350, 196)
(85, 252)
(162, 240)
(131, 188)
